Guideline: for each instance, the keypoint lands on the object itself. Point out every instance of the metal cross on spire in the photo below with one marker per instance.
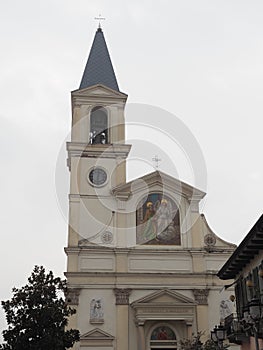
(156, 160)
(99, 18)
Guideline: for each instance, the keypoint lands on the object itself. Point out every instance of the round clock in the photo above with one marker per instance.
(97, 176)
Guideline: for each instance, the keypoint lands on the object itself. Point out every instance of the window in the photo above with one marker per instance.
(98, 126)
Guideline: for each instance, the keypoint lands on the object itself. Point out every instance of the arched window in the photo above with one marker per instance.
(163, 337)
(98, 126)
(157, 218)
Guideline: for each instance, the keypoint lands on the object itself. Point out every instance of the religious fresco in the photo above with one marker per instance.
(163, 333)
(158, 221)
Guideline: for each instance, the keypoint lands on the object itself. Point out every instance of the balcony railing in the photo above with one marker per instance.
(236, 332)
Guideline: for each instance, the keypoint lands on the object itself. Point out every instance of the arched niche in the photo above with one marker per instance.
(163, 337)
(157, 221)
(99, 133)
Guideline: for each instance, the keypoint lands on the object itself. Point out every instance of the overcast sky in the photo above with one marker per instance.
(202, 61)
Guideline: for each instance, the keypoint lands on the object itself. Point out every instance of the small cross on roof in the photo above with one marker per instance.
(156, 160)
(99, 18)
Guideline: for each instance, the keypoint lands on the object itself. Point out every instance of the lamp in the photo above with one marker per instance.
(249, 284)
(253, 318)
(218, 335)
(213, 336)
(255, 309)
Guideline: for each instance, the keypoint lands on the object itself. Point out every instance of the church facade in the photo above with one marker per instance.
(141, 258)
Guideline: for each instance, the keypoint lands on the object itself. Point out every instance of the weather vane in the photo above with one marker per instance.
(156, 160)
(100, 18)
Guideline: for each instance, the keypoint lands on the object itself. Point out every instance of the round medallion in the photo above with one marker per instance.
(97, 176)
(107, 237)
(210, 240)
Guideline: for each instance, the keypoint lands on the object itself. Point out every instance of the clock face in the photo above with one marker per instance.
(97, 176)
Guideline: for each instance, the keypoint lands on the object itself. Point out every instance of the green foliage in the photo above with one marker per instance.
(193, 343)
(37, 315)
(196, 344)
(211, 345)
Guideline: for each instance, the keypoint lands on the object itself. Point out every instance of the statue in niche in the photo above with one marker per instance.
(158, 221)
(96, 311)
(227, 307)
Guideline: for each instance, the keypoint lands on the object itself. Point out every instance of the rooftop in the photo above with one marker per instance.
(99, 69)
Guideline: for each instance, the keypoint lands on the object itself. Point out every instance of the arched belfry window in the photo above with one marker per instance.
(98, 126)
(157, 221)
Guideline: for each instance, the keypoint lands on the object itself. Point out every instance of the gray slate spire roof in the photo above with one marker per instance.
(99, 68)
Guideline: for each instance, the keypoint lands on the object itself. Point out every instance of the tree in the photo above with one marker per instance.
(37, 315)
(195, 343)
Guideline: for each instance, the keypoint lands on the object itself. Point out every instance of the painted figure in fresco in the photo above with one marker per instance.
(149, 224)
(163, 215)
(164, 219)
(158, 221)
(162, 335)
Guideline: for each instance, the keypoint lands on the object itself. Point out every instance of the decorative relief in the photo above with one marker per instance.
(106, 237)
(122, 296)
(72, 296)
(201, 296)
(210, 240)
(96, 311)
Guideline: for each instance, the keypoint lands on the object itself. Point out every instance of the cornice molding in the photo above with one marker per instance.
(81, 149)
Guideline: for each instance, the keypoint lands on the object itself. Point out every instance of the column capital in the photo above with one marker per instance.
(72, 296)
(140, 323)
(201, 296)
(122, 295)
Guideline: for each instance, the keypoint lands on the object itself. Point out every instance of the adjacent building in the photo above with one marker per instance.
(245, 266)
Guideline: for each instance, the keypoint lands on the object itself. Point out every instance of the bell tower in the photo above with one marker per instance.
(97, 152)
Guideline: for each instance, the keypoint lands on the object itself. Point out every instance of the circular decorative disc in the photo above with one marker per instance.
(97, 176)
(107, 237)
(210, 240)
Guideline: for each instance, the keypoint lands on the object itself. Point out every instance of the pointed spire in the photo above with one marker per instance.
(99, 69)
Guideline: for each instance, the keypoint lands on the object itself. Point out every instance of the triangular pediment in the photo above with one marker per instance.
(164, 297)
(163, 182)
(98, 90)
(98, 334)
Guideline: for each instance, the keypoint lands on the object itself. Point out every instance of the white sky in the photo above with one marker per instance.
(200, 60)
